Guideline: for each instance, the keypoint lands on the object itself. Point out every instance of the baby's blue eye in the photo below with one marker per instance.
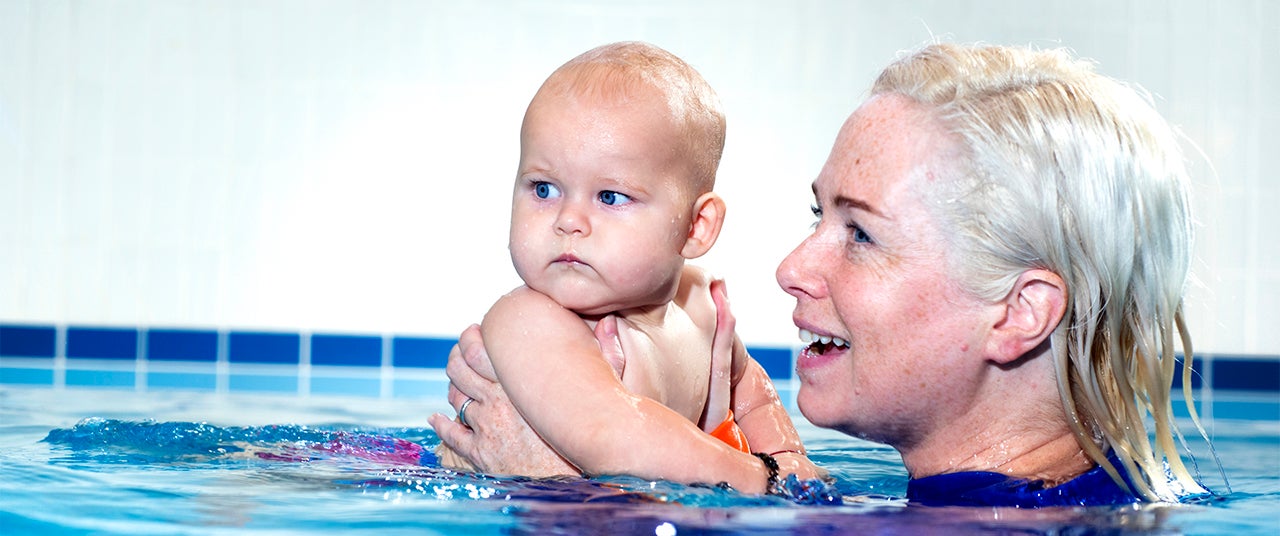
(614, 198)
(545, 190)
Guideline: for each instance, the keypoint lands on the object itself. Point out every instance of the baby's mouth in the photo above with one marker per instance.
(568, 259)
(821, 344)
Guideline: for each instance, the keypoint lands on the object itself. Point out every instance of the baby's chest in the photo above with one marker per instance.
(672, 366)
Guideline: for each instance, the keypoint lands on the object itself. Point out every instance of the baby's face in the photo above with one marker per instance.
(602, 202)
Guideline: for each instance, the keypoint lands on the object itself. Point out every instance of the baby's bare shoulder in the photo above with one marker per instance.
(524, 304)
(694, 296)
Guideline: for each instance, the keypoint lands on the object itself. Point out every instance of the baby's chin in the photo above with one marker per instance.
(594, 300)
(591, 310)
(573, 300)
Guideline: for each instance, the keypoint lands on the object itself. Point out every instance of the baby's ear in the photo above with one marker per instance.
(1029, 314)
(708, 217)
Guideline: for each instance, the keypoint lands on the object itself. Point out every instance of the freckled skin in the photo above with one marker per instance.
(910, 327)
(954, 383)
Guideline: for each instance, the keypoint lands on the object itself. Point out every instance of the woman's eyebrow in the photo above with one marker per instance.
(843, 201)
(850, 202)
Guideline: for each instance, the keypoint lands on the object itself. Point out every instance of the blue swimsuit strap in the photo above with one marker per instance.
(982, 488)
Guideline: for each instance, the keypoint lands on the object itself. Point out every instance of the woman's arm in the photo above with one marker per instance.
(498, 440)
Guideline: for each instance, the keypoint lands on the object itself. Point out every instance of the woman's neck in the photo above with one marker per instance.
(1034, 448)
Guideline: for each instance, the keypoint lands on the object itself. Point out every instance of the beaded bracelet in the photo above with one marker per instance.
(771, 486)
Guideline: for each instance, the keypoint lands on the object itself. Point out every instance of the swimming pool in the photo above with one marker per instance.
(179, 462)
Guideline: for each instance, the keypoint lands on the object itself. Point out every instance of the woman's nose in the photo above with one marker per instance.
(795, 275)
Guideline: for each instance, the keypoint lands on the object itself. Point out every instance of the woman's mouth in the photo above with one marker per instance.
(822, 344)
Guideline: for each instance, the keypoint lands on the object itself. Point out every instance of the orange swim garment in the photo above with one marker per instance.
(729, 432)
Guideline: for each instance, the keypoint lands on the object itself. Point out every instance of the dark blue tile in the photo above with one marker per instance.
(776, 361)
(28, 341)
(102, 343)
(250, 347)
(358, 350)
(421, 352)
(1245, 374)
(182, 345)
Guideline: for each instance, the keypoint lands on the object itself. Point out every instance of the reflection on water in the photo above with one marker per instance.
(127, 471)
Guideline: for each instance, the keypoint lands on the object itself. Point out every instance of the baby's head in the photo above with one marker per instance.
(633, 74)
(618, 158)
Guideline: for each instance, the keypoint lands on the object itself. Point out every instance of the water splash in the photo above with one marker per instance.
(141, 442)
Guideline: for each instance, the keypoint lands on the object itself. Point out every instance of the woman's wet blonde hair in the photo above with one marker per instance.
(1064, 169)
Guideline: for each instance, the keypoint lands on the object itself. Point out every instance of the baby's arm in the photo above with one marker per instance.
(552, 369)
(756, 406)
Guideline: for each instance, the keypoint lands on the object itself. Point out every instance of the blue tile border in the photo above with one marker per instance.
(101, 378)
(776, 361)
(42, 353)
(349, 350)
(26, 376)
(420, 352)
(28, 341)
(182, 345)
(102, 343)
(1246, 375)
(263, 347)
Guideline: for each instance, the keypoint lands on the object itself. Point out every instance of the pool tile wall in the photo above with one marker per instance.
(383, 365)
(145, 358)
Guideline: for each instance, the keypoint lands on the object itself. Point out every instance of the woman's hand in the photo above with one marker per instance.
(496, 439)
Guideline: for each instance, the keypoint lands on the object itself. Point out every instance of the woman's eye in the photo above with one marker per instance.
(609, 197)
(545, 190)
(817, 213)
(858, 235)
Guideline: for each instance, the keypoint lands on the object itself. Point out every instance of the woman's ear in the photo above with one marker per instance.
(708, 217)
(1030, 313)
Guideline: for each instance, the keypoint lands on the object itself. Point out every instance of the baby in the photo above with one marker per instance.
(619, 151)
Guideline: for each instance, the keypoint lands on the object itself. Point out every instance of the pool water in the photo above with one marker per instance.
(107, 462)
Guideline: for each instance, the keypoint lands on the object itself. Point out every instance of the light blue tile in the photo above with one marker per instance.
(181, 381)
(101, 378)
(263, 383)
(414, 388)
(345, 386)
(26, 376)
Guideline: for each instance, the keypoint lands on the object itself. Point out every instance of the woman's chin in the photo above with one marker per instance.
(816, 406)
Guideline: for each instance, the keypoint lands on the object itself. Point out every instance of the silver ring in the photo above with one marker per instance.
(462, 411)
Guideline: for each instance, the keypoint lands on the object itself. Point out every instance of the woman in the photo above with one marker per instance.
(998, 269)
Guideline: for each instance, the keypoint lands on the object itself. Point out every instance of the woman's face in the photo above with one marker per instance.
(895, 341)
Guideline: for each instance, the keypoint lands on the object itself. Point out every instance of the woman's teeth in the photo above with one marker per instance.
(809, 337)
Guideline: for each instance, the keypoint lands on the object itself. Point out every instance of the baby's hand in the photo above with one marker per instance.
(606, 333)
